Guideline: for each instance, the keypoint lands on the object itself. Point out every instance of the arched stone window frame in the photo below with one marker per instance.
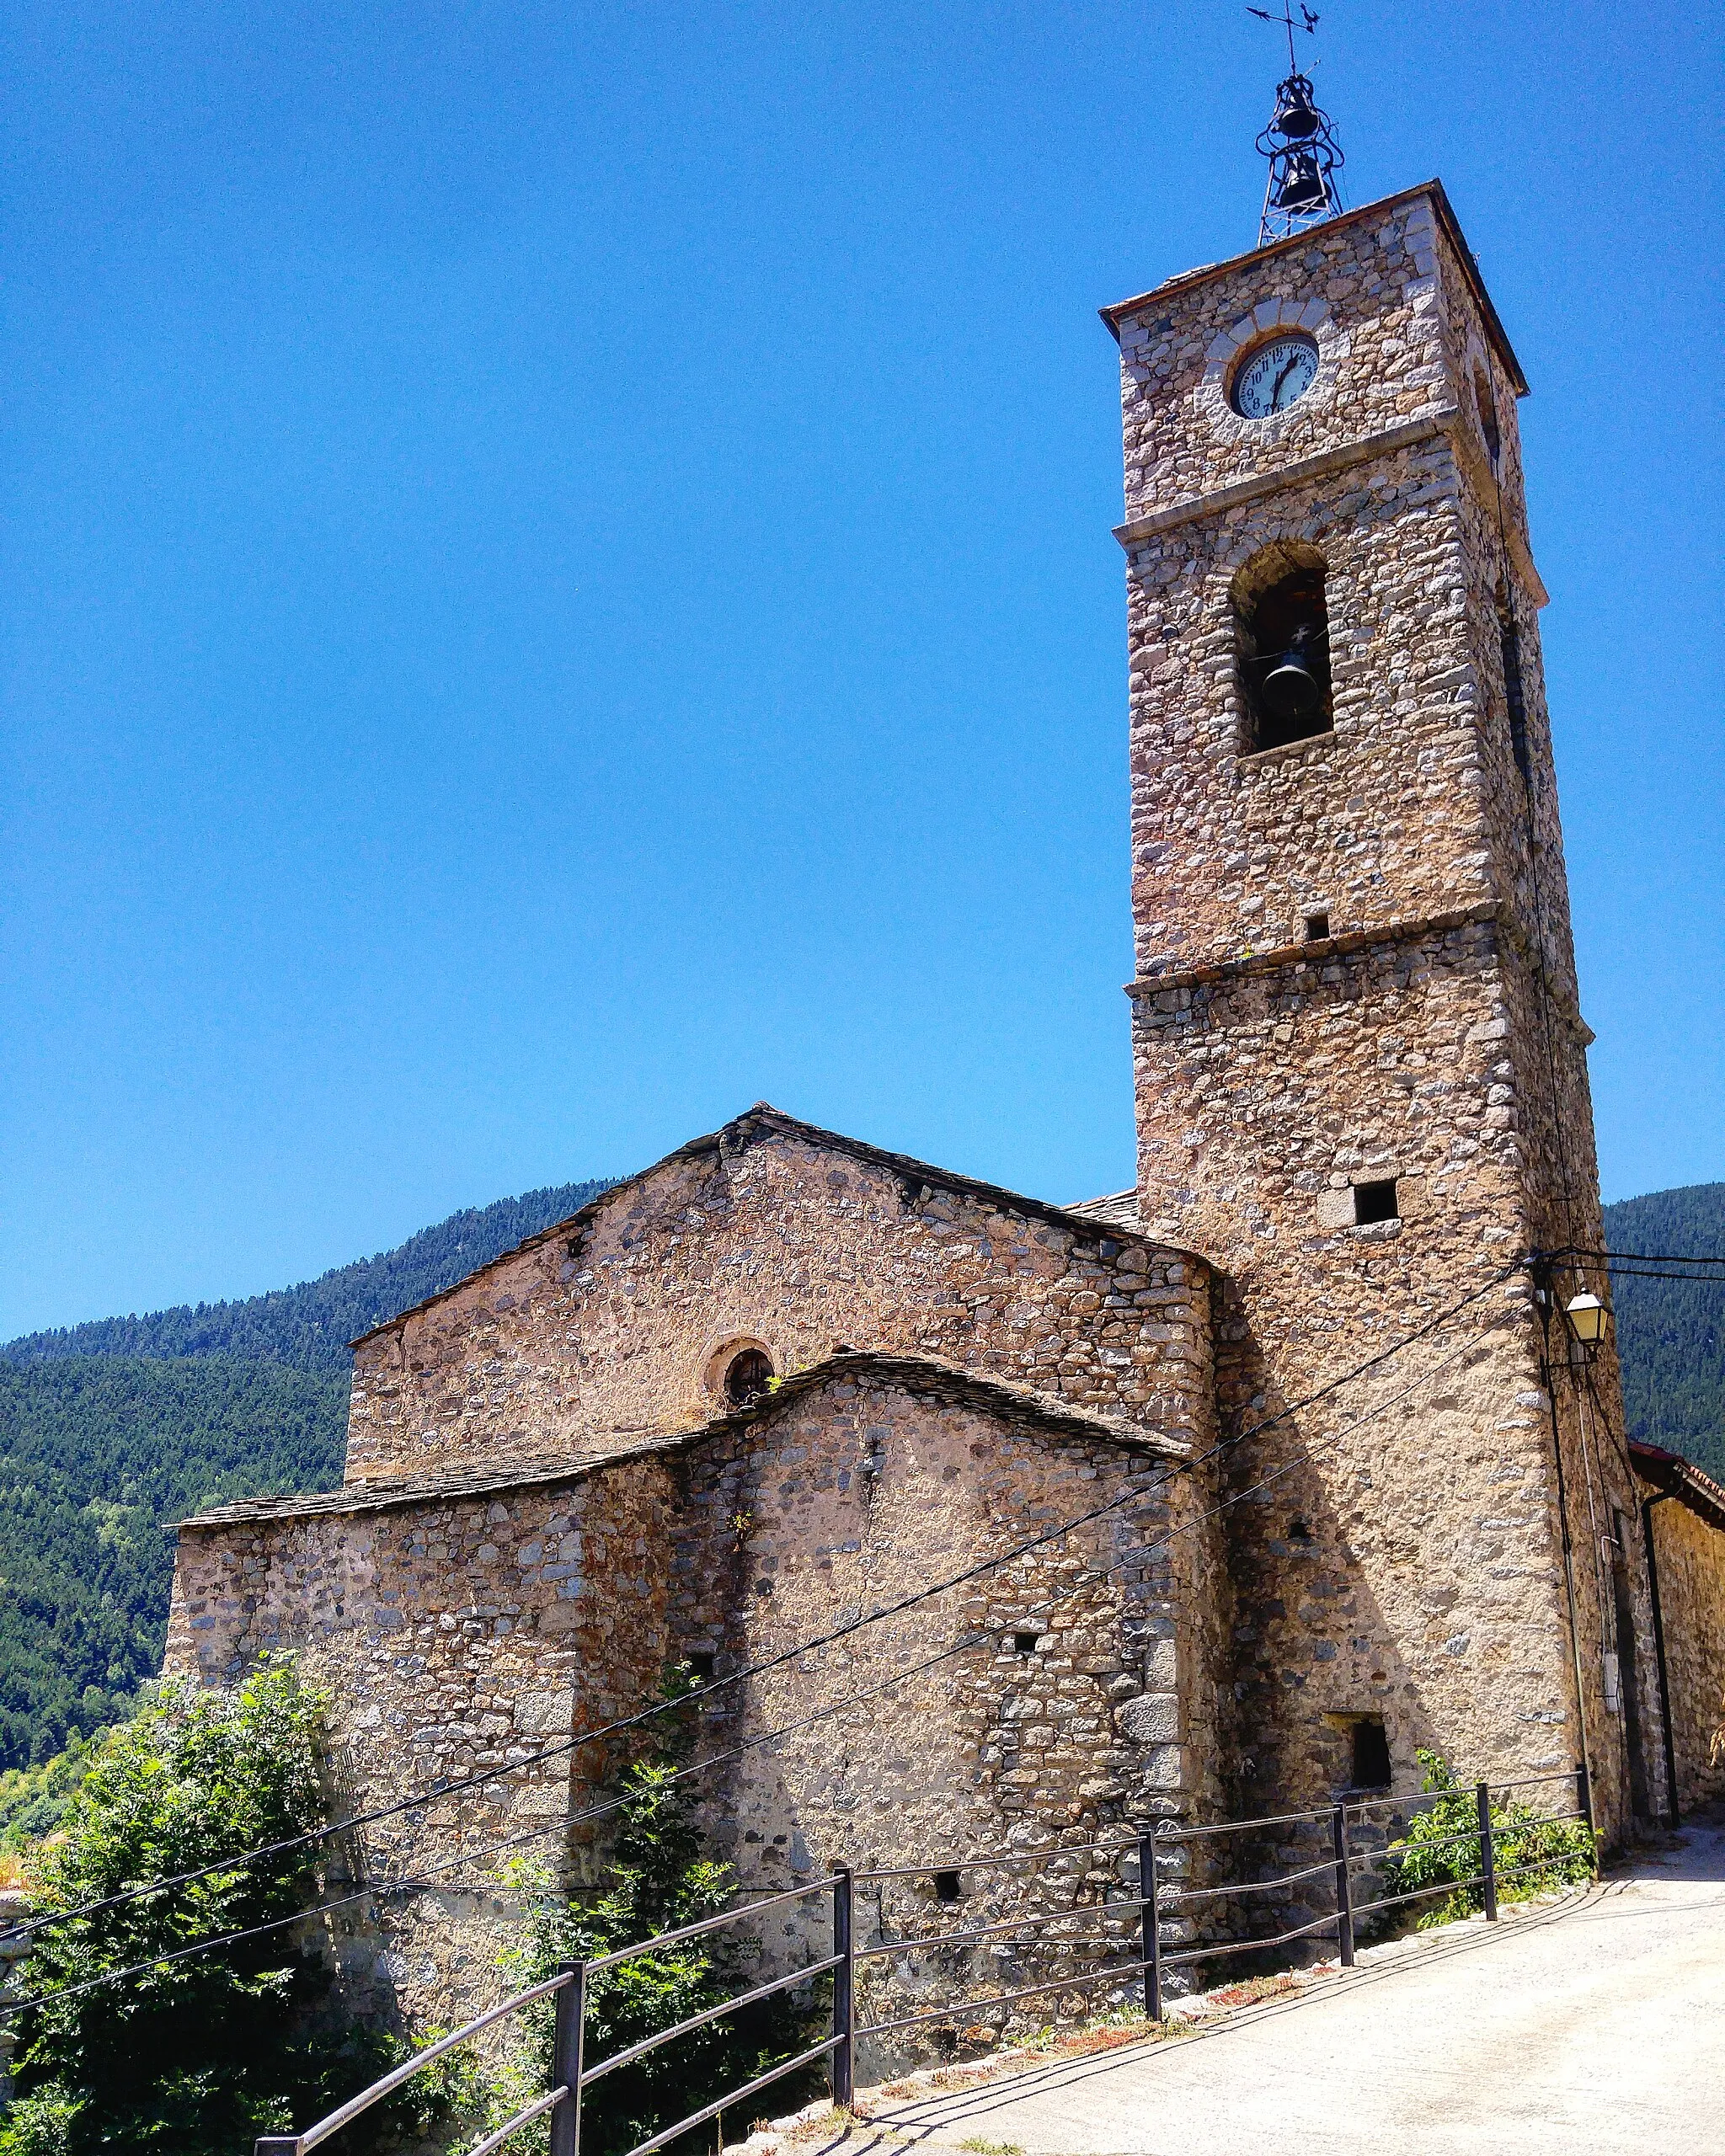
(719, 1360)
(1271, 553)
(1265, 320)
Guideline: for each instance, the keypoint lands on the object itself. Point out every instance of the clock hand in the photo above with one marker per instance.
(1276, 393)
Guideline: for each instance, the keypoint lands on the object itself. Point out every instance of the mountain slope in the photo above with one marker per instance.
(111, 1431)
(97, 1453)
(1671, 1333)
(311, 1324)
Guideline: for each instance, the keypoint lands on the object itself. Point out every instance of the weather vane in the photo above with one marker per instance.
(1304, 159)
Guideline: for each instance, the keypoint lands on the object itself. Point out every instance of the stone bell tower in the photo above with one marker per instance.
(1360, 1065)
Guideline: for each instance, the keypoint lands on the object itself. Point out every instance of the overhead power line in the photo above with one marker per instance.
(440, 1790)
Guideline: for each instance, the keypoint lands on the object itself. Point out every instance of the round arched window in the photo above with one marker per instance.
(747, 1376)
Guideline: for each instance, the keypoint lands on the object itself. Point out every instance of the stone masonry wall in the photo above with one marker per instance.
(460, 1627)
(455, 1632)
(1397, 1563)
(1068, 1715)
(1690, 1553)
(1366, 287)
(581, 1342)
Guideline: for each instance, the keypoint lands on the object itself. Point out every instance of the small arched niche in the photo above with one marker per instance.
(1282, 637)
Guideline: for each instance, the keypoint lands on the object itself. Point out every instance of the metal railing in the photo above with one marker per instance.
(571, 2076)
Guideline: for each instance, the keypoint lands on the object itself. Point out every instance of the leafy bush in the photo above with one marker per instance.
(193, 2057)
(1563, 1850)
(657, 1881)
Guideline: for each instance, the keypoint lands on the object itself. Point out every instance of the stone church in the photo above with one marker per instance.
(1209, 1499)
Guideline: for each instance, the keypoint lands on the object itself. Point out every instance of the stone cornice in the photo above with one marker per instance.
(1297, 956)
(1324, 462)
(1318, 466)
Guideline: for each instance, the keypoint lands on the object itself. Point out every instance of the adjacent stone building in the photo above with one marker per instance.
(1304, 1467)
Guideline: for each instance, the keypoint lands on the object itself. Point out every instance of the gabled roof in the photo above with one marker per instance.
(763, 1120)
(1673, 1476)
(1119, 1209)
(922, 1375)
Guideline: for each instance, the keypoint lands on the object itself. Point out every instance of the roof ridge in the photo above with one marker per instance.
(787, 1125)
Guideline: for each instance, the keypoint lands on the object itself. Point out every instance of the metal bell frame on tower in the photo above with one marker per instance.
(1304, 160)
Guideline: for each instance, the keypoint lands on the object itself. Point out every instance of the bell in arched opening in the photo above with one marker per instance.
(1284, 647)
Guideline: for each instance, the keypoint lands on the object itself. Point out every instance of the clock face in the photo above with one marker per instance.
(1274, 376)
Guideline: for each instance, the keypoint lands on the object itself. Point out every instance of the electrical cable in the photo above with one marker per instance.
(389, 1890)
(438, 1791)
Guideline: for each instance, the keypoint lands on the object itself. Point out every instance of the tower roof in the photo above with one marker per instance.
(1433, 190)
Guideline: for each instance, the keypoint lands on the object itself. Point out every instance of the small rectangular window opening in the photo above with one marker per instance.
(1371, 1754)
(945, 1886)
(1025, 1642)
(701, 1668)
(1374, 1201)
(1317, 927)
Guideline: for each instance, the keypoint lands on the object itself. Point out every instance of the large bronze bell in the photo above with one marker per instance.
(1296, 118)
(1302, 186)
(1290, 691)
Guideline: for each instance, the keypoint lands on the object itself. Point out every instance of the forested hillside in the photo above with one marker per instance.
(311, 1325)
(111, 1431)
(96, 1455)
(1671, 1333)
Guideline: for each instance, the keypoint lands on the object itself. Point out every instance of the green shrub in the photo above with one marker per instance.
(656, 1882)
(1563, 1850)
(193, 2057)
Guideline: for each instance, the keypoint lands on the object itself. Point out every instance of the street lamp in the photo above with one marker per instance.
(1587, 1316)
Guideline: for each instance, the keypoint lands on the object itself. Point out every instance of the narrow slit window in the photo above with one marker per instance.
(1371, 1754)
(1514, 692)
(1373, 1202)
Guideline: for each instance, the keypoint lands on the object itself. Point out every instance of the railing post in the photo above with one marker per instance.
(1344, 1885)
(1151, 1894)
(1584, 1799)
(1487, 1858)
(844, 1988)
(566, 2049)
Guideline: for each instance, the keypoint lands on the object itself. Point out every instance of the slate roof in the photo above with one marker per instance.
(1120, 1210)
(922, 1374)
(1669, 1473)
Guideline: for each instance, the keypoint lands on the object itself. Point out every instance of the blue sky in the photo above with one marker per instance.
(558, 580)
